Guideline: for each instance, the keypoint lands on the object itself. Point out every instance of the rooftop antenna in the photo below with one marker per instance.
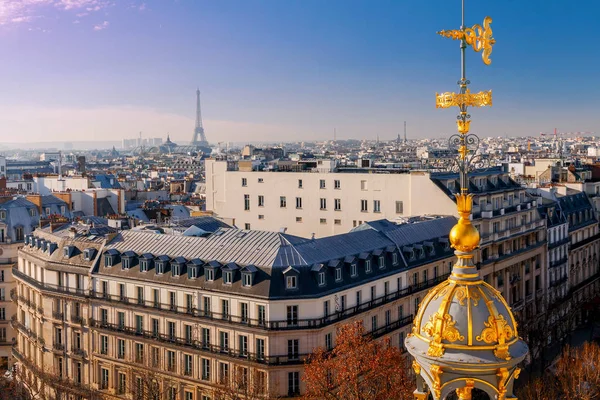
(405, 141)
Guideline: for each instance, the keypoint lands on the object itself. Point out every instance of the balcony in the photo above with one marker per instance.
(518, 305)
(48, 287)
(77, 319)
(585, 241)
(561, 242)
(260, 358)
(58, 347)
(556, 263)
(75, 351)
(58, 315)
(314, 323)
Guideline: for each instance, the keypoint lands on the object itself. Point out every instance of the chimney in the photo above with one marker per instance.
(37, 200)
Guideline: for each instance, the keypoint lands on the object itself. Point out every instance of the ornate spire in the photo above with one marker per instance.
(464, 335)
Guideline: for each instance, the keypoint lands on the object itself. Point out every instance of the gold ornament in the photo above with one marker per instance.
(467, 99)
(464, 236)
(464, 393)
(480, 38)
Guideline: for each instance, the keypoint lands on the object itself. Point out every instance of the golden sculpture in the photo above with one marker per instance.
(464, 236)
(436, 372)
(497, 330)
(467, 99)
(464, 393)
(480, 38)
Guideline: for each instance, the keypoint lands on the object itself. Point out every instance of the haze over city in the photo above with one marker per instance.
(285, 70)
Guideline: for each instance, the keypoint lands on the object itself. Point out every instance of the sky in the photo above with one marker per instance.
(289, 70)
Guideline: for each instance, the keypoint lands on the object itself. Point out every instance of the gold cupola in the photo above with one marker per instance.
(464, 335)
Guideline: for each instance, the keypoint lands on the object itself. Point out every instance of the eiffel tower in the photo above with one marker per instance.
(199, 138)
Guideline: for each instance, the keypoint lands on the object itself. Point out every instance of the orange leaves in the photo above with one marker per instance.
(357, 368)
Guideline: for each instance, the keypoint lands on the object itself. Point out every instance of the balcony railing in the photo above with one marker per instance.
(58, 315)
(556, 263)
(295, 324)
(77, 319)
(292, 358)
(78, 352)
(58, 346)
(47, 286)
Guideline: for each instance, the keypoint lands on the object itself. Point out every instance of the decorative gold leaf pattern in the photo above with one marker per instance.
(496, 330)
(442, 327)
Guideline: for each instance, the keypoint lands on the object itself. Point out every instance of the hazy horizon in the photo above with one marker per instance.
(273, 71)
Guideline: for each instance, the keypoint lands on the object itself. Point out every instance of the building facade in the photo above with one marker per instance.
(197, 312)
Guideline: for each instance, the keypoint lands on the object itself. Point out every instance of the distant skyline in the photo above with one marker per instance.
(272, 70)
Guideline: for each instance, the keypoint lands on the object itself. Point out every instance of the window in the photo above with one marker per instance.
(187, 364)
(400, 312)
(192, 271)
(247, 226)
(260, 180)
(120, 348)
(298, 202)
(144, 265)
(139, 323)
(293, 349)
(207, 308)
(155, 327)
(103, 378)
(386, 288)
(293, 383)
(247, 280)
(363, 206)
(260, 349)
(338, 274)
(262, 314)
(298, 219)
(261, 216)
(368, 266)
(205, 337)
(121, 383)
(170, 360)
(175, 269)
(19, 233)
(336, 184)
(388, 317)
(299, 183)
(188, 333)
(363, 185)
(205, 369)
(282, 202)
(103, 316)
(103, 344)
(292, 315)
(323, 220)
(326, 308)
(78, 372)
(210, 274)
(291, 282)
(373, 323)
(140, 294)
(337, 221)
(244, 182)
(139, 353)
(337, 204)
(223, 372)
(353, 270)
(225, 309)
(121, 319)
(244, 312)
(321, 278)
(322, 184)
(328, 342)
(173, 301)
(156, 298)
(323, 204)
(376, 206)
(381, 262)
(261, 201)
(373, 292)
(171, 330)
(243, 345)
(2, 313)
(358, 297)
(246, 202)
(227, 277)
(395, 258)
(399, 207)
(155, 356)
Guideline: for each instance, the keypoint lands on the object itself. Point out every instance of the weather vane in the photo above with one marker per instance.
(481, 40)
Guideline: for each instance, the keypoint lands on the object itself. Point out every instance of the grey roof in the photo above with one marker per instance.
(406, 234)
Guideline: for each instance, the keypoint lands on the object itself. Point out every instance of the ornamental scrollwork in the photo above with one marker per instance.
(496, 330)
(442, 327)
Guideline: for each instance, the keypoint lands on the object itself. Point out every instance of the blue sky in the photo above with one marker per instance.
(288, 69)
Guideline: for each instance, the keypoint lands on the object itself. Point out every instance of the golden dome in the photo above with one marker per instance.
(465, 315)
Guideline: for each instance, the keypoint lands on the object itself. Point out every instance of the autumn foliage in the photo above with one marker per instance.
(358, 368)
(575, 376)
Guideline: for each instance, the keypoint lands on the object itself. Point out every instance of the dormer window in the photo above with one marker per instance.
(177, 266)
(227, 277)
(210, 274)
(110, 257)
(65, 252)
(248, 273)
(395, 258)
(193, 268)
(291, 277)
(381, 262)
(88, 254)
(368, 266)
(52, 247)
(2, 214)
(175, 269)
(160, 267)
(338, 274)
(321, 279)
(68, 251)
(125, 263)
(353, 269)
(32, 212)
(291, 282)
(127, 259)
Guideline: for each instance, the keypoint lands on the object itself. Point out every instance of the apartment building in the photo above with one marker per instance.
(318, 201)
(195, 311)
(18, 218)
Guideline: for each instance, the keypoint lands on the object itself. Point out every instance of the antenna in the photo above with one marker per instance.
(405, 132)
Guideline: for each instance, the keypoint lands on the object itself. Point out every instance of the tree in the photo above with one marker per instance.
(149, 385)
(244, 384)
(357, 368)
(576, 376)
